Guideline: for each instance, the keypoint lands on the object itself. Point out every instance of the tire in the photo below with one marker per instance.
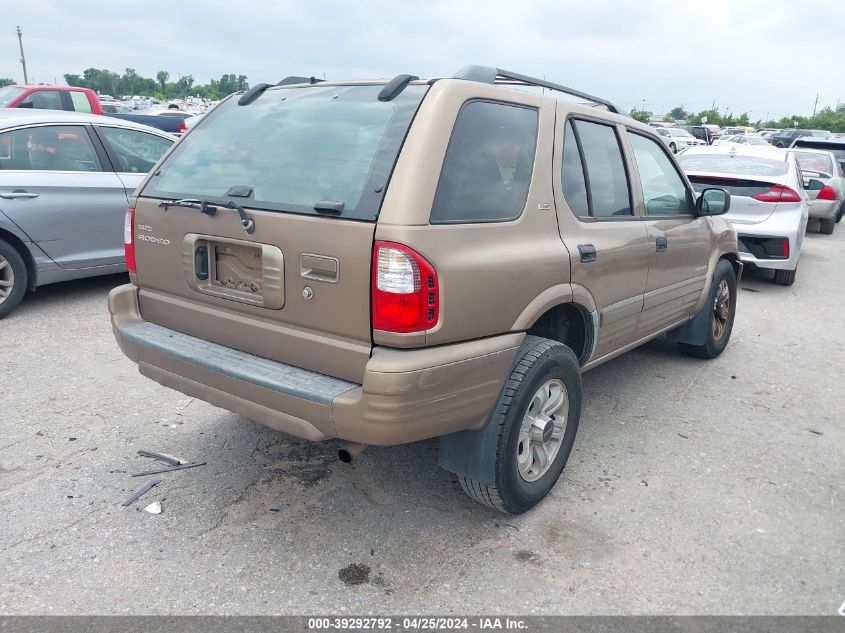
(721, 322)
(13, 278)
(673, 147)
(840, 213)
(539, 364)
(785, 277)
(826, 226)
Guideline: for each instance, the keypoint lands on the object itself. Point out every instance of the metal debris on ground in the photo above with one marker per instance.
(167, 470)
(141, 491)
(167, 459)
(277, 507)
(154, 508)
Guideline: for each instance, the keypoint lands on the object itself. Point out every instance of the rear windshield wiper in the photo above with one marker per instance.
(211, 209)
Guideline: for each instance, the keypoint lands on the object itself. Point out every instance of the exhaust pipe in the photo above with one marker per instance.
(349, 451)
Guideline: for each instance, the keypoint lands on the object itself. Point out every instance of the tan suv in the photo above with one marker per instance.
(385, 262)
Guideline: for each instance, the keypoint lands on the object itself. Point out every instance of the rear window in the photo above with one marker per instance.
(727, 164)
(294, 147)
(817, 164)
(9, 94)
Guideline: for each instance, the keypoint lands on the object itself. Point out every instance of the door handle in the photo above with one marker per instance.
(661, 244)
(12, 195)
(588, 253)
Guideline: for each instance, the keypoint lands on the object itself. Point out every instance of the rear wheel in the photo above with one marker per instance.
(13, 278)
(785, 277)
(840, 213)
(722, 307)
(826, 226)
(537, 415)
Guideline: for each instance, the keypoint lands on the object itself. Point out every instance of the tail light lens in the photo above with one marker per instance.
(405, 292)
(183, 127)
(778, 193)
(129, 239)
(826, 193)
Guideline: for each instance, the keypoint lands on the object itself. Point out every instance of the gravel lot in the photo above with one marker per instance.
(694, 487)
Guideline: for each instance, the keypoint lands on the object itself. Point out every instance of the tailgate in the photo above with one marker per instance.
(204, 276)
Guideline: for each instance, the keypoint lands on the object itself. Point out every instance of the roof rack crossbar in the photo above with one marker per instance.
(491, 75)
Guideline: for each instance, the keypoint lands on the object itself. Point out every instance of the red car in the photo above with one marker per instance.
(51, 98)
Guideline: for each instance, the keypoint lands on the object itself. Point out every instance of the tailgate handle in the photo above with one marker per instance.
(319, 267)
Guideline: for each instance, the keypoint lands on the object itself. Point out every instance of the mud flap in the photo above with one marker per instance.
(472, 453)
(694, 331)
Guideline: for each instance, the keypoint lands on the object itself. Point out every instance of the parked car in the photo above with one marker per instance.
(65, 179)
(69, 98)
(701, 132)
(744, 139)
(785, 138)
(392, 261)
(823, 180)
(769, 205)
(114, 107)
(678, 139)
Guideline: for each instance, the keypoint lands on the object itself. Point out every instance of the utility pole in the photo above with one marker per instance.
(23, 59)
(816, 104)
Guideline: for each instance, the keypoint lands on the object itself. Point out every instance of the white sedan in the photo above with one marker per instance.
(769, 202)
(744, 139)
(678, 139)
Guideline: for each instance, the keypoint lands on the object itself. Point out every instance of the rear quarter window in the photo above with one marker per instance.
(487, 168)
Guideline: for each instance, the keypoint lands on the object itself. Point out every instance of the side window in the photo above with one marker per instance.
(80, 101)
(610, 196)
(487, 168)
(43, 100)
(572, 175)
(50, 148)
(664, 191)
(136, 152)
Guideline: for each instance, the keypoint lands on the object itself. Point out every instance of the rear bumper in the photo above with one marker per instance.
(405, 395)
(791, 226)
(824, 209)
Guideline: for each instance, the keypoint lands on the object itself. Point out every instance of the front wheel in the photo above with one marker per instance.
(722, 307)
(537, 415)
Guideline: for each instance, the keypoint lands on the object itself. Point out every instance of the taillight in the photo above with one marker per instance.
(183, 127)
(129, 239)
(406, 296)
(826, 193)
(778, 193)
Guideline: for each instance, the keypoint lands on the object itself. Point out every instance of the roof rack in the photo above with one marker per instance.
(490, 75)
(293, 79)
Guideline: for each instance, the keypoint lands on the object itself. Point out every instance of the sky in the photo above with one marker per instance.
(765, 57)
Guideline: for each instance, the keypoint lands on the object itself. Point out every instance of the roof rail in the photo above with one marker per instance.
(491, 75)
(293, 79)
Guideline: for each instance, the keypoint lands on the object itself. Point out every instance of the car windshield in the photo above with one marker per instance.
(732, 164)
(680, 132)
(9, 94)
(294, 147)
(757, 140)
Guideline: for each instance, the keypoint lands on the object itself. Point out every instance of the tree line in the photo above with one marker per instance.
(831, 119)
(161, 87)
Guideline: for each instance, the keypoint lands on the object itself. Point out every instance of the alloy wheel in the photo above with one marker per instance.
(7, 279)
(542, 429)
(721, 310)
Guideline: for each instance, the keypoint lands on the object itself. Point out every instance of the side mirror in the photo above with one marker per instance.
(815, 185)
(713, 201)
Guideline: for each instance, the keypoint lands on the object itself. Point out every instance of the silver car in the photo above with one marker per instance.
(823, 178)
(65, 181)
(769, 203)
